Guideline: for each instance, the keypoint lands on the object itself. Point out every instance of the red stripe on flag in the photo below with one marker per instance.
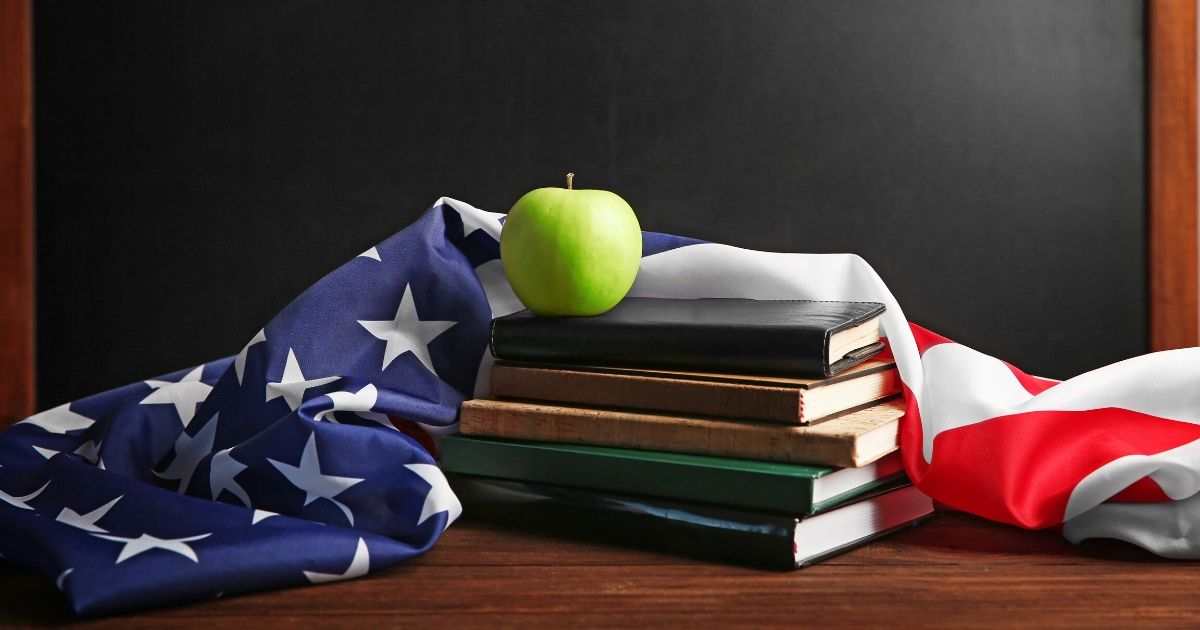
(1022, 468)
(414, 431)
(925, 338)
(1032, 384)
(911, 438)
(1144, 490)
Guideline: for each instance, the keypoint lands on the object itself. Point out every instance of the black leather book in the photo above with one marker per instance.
(711, 532)
(801, 338)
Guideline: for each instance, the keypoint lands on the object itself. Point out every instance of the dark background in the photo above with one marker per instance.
(201, 163)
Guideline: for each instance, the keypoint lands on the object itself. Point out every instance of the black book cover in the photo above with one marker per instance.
(752, 538)
(783, 337)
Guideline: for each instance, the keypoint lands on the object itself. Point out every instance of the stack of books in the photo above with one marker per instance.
(760, 432)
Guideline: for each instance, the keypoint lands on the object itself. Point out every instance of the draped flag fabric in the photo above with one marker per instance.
(305, 458)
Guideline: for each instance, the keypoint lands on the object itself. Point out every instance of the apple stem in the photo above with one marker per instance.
(570, 181)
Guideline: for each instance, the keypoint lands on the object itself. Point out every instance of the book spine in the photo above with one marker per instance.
(590, 341)
(746, 440)
(694, 530)
(730, 400)
(672, 480)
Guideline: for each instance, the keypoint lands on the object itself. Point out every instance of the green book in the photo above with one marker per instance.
(788, 488)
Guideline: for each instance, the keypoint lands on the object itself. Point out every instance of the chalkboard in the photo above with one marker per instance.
(201, 163)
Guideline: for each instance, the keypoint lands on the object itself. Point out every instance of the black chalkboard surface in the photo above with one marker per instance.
(200, 163)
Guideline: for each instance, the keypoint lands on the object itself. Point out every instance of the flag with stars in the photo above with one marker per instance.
(307, 456)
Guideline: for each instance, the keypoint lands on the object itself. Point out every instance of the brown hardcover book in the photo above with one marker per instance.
(851, 440)
(742, 396)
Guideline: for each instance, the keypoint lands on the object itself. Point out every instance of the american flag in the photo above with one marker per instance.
(306, 457)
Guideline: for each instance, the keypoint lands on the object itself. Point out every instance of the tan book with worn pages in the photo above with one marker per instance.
(850, 440)
(740, 396)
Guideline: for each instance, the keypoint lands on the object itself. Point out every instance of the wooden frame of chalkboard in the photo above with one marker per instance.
(1172, 219)
(16, 212)
(1171, 180)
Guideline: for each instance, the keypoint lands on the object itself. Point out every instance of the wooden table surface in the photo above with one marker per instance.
(952, 571)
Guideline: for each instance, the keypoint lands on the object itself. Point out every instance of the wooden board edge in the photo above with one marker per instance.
(1174, 235)
(16, 212)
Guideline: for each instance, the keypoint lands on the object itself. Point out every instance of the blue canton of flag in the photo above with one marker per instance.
(303, 459)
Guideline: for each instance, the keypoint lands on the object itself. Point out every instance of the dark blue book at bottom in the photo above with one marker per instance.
(700, 530)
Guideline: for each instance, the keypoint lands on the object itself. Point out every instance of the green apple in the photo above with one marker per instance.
(570, 252)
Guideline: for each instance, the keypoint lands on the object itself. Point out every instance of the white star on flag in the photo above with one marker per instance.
(59, 420)
(62, 577)
(89, 451)
(21, 501)
(292, 384)
(500, 296)
(307, 477)
(370, 253)
(239, 362)
(86, 522)
(359, 402)
(189, 450)
(185, 394)
(261, 515)
(146, 542)
(475, 219)
(359, 566)
(406, 332)
(221, 472)
(440, 497)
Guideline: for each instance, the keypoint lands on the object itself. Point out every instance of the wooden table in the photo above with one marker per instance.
(953, 571)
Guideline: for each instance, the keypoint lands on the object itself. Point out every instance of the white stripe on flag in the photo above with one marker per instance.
(1167, 529)
(1176, 471)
